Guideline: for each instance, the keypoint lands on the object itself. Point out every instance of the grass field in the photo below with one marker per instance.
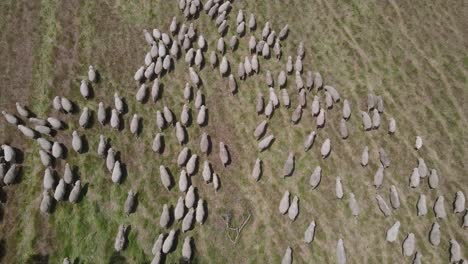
(413, 53)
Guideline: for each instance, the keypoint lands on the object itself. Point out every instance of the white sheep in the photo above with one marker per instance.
(260, 129)
(206, 173)
(252, 44)
(158, 143)
(223, 66)
(183, 181)
(139, 74)
(75, 192)
(288, 167)
(205, 143)
(394, 197)
(326, 148)
(287, 258)
(46, 203)
(149, 72)
(101, 114)
(165, 217)
(85, 118)
(187, 222)
(22, 111)
(422, 168)
(168, 115)
(284, 32)
(49, 180)
(328, 100)
(346, 109)
(365, 156)
(338, 188)
(419, 143)
(421, 206)
(383, 205)
(102, 146)
(188, 92)
(200, 212)
(168, 242)
(142, 93)
(216, 182)
(190, 197)
(68, 174)
(135, 124)
(92, 75)
(277, 49)
(9, 153)
(117, 172)
(293, 210)
(366, 121)
(67, 105)
(392, 232)
(375, 119)
(455, 251)
(265, 143)
(392, 126)
(165, 177)
(315, 177)
(309, 233)
(459, 203)
(289, 65)
(284, 203)
(180, 133)
(187, 248)
(297, 114)
(232, 84)
(273, 97)
(57, 150)
(44, 144)
(194, 78)
(434, 234)
(77, 142)
(179, 210)
(321, 118)
(56, 103)
(340, 252)
(160, 121)
(255, 64)
(115, 119)
(60, 190)
(257, 169)
(415, 178)
(439, 207)
(379, 177)
(285, 98)
(370, 102)
(260, 104)
(343, 129)
(409, 245)
(315, 108)
(220, 45)
(282, 79)
(46, 159)
(384, 160)
(353, 205)
(252, 22)
(223, 154)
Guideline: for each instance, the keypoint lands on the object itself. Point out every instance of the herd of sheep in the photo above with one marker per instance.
(163, 51)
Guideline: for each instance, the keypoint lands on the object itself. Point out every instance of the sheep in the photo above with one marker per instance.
(149, 60)
(288, 167)
(232, 84)
(224, 155)
(223, 66)
(142, 93)
(213, 10)
(309, 233)
(277, 49)
(10, 175)
(187, 222)
(394, 197)
(27, 132)
(257, 170)
(117, 173)
(409, 244)
(459, 203)
(380, 104)
(190, 197)
(433, 179)
(375, 119)
(384, 208)
(68, 174)
(346, 109)
(201, 42)
(391, 126)
(252, 44)
(434, 234)
(338, 188)
(273, 97)
(200, 212)
(56, 103)
(422, 168)
(158, 67)
(455, 251)
(353, 205)
(194, 78)
(287, 258)
(49, 180)
(67, 105)
(297, 114)
(315, 177)
(2, 171)
(167, 62)
(318, 81)
(421, 206)
(168, 242)
(260, 104)
(168, 115)
(309, 80)
(220, 45)
(60, 191)
(158, 143)
(392, 232)
(160, 121)
(162, 51)
(165, 217)
(379, 177)
(92, 75)
(417, 258)
(266, 30)
(165, 177)
(302, 98)
(333, 92)
(283, 32)
(265, 143)
(285, 98)
(149, 72)
(260, 129)
(419, 143)
(85, 118)
(198, 58)
(343, 129)
(252, 22)
(183, 181)
(370, 102)
(9, 153)
(55, 123)
(289, 65)
(298, 67)
(199, 101)
(439, 207)
(38, 121)
(284, 203)
(206, 7)
(139, 74)
(216, 182)
(180, 133)
(46, 203)
(366, 121)
(241, 71)
(320, 122)
(148, 36)
(188, 92)
(259, 47)
(187, 248)
(282, 79)
(206, 173)
(205, 143)
(135, 124)
(255, 64)
(44, 144)
(326, 148)
(57, 150)
(271, 38)
(185, 115)
(192, 165)
(315, 108)
(328, 100)
(365, 156)
(224, 7)
(233, 42)
(101, 150)
(340, 252)
(415, 178)
(120, 239)
(77, 142)
(22, 111)
(384, 160)
(46, 159)
(75, 192)
(115, 119)
(293, 210)
(189, 56)
(101, 114)
(179, 210)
